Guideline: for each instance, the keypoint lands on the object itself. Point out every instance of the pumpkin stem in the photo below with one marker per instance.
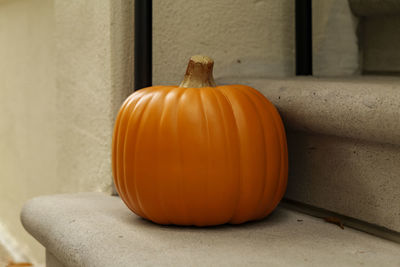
(199, 73)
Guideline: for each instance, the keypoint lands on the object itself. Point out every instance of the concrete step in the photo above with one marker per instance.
(93, 229)
(344, 143)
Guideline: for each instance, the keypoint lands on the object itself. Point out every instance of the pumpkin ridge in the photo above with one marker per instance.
(279, 192)
(276, 190)
(124, 192)
(283, 151)
(265, 174)
(281, 185)
(116, 139)
(147, 210)
(248, 109)
(227, 145)
(180, 92)
(121, 115)
(160, 192)
(190, 177)
(222, 90)
(284, 157)
(204, 115)
(134, 178)
(158, 176)
(120, 142)
(182, 190)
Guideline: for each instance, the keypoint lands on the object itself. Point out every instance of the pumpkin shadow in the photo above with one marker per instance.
(278, 216)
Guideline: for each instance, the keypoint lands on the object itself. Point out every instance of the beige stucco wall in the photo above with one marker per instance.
(65, 67)
(84, 93)
(245, 38)
(28, 147)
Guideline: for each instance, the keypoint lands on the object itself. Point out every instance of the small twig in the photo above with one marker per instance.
(334, 220)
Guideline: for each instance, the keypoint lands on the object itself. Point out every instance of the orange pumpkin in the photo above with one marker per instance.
(199, 154)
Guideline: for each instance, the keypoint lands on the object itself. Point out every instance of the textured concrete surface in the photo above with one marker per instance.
(92, 229)
(379, 36)
(94, 76)
(335, 41)
(351, 177)
(380, 43)
(84, 91)
(343, 143)
(367, 8)
(245, 38)
(52, 261)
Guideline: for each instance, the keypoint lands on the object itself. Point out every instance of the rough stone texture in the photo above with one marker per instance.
(84, 90)
(379, 35)
(65, 68)
(94, 76)
(245, 38)
(380, 42)
(368, 8)
(344, 143)
(122, 48)
(352, 177)
(93, 229)
(52, 261)
(335, 41)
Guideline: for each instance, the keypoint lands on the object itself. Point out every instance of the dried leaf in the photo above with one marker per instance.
(334, 220)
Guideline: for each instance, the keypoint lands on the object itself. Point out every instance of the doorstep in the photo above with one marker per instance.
(94, 229)
(343, 142)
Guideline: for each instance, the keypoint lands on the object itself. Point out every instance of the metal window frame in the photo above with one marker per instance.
(143, 40)
(303, 37)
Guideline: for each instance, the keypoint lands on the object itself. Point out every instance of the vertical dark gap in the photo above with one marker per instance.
(303, 37)
(143, 43)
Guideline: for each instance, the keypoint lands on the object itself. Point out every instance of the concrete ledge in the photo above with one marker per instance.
(343, 141)
(350, 177)
(93, 229)
(362, 107)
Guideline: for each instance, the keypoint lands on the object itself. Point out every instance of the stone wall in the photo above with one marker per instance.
(245, 38)
(65, 68)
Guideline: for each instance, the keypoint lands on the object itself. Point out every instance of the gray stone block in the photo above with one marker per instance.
(93, 229)
(344, 143)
